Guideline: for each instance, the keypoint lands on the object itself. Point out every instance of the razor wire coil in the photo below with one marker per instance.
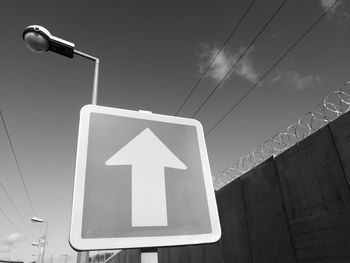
(334, 105)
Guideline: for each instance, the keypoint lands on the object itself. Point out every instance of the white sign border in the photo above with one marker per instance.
(80, 244)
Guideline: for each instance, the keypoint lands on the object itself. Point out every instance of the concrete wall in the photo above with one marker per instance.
(294, 208)
(266, 220)
(235, 240)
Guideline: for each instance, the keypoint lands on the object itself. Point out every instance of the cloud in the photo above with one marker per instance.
(224, 62)
(294, 79)
(245, 68)
(9, 241)
(220, 66)
(328, 3)
(338, 12)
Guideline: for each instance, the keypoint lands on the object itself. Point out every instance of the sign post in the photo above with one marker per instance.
(149, 255)
(141, 180)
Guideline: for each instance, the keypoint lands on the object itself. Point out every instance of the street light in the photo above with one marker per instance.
(39, 40)
(39, 220)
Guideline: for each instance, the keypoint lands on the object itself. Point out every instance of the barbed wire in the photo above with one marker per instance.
(334, 105)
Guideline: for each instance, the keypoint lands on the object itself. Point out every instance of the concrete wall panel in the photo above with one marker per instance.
(317, 198)
(312, 177)
(341, 133)
(323, 238)
(234, 238)
(266, 219)
(207, 253)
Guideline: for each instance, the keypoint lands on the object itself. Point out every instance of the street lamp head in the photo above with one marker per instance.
(35, 244)
(37, 38)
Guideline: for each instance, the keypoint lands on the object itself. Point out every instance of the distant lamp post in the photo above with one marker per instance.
(35, 254)
(38, 39)
(44, 238)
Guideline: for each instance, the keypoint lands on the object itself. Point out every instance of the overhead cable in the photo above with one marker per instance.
(18, 167)
(240, 57)
(216, 55)
(332, 107)
(14, 226)
(17, 211)
(272, 67)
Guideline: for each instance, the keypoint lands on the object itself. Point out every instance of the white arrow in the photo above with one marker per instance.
(148, 157)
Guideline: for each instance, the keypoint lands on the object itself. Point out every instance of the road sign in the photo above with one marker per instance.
(141, 180)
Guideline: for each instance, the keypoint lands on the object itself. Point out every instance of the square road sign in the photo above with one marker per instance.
(141, 180)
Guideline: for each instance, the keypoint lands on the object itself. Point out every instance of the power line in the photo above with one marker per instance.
(272, 67)
(240, 57)
(213, 59)
(10, 221)
(18, 213)
(19, 169)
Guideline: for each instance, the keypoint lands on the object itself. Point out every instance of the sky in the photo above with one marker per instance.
(152, 53)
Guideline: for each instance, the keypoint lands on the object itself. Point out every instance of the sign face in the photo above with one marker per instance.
(141, 180)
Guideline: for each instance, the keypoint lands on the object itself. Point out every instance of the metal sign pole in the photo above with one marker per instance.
(83, 257)
(149, 255)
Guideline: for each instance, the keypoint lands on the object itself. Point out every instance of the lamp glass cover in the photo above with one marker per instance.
(36, 42)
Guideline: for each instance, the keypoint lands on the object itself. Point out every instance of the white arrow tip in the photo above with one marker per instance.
(146, 148)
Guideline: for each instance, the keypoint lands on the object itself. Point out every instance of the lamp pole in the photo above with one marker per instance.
(37, 245)
(45, 241)
(38, 39)
(38, 220)
(95, 85)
